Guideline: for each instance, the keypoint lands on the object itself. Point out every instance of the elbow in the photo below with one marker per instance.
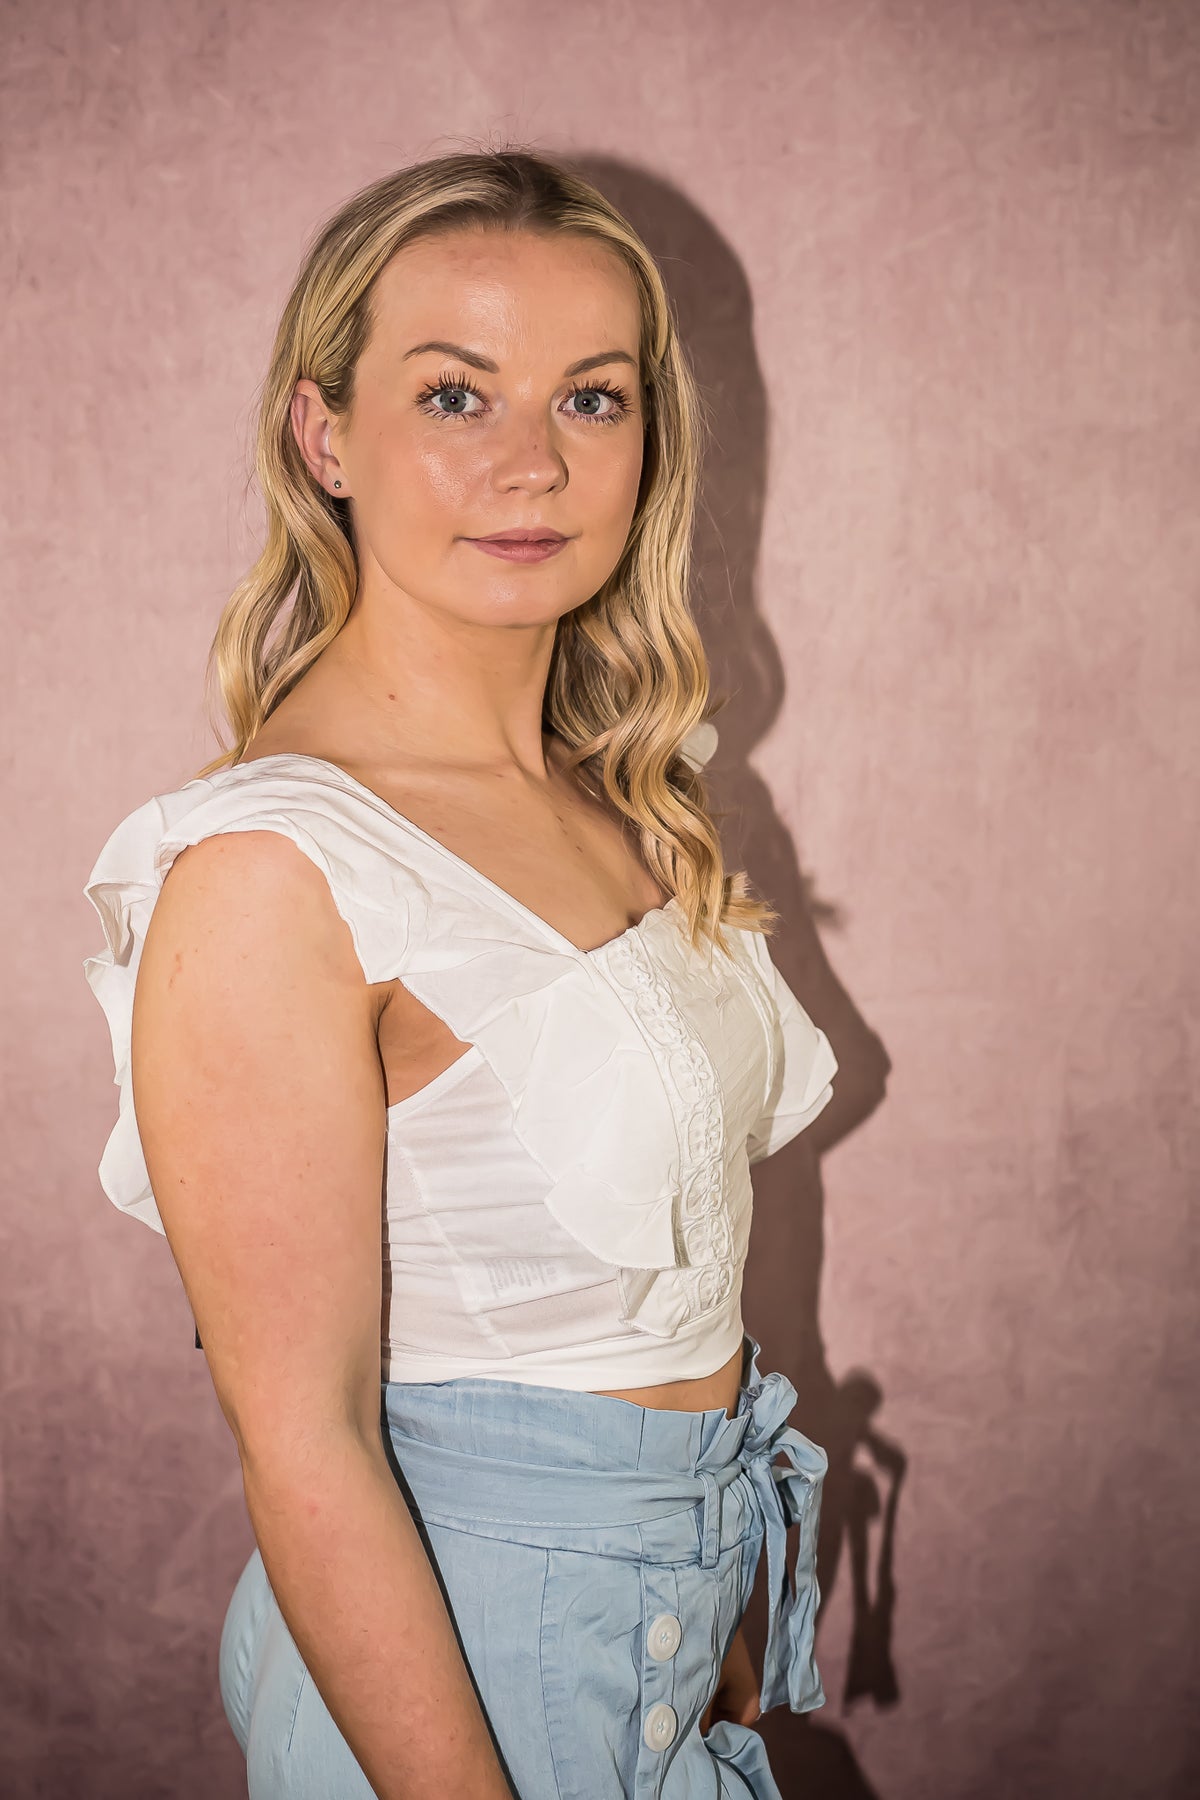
(302, 1439)
(305, 1473)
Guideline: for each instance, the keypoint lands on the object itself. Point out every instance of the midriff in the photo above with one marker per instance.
(700, 1394)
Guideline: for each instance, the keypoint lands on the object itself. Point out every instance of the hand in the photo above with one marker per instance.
(737, 1696)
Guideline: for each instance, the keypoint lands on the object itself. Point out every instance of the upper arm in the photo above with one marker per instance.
(260, 1106)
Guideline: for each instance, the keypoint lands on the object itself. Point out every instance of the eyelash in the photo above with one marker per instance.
(588, 387)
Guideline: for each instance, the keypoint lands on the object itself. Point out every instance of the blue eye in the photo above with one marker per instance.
(446, 384)
(462, 385)
(619, 398)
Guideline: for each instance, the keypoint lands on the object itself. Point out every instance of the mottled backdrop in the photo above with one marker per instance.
(938, 265)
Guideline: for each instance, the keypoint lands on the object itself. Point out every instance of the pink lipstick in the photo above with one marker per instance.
(528, 545)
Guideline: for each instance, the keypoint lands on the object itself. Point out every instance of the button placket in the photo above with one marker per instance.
(661, 1640)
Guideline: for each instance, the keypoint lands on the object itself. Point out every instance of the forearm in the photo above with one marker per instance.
(358, 1594)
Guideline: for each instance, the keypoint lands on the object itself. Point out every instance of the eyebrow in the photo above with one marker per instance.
(482, 362)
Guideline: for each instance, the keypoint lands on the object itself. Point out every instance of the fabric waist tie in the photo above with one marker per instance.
(464, 1488)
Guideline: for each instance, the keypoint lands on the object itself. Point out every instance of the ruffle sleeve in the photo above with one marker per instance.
(124, 886)
(801, 1064)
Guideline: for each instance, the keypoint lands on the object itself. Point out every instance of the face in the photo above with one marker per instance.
(500, 389)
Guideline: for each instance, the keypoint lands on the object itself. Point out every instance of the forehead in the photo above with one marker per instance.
(507, 294)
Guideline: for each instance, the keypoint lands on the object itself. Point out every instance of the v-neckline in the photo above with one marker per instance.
(343, 775)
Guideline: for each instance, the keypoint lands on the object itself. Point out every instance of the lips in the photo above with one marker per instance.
(521, 548)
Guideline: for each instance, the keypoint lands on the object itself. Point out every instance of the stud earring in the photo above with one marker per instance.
(337, 484)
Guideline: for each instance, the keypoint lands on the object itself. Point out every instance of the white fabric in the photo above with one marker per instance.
(569, 1202)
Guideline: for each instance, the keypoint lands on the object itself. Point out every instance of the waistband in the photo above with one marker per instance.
(591, 1460)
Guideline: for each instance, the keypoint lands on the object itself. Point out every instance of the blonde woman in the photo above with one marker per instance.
(453, 1042)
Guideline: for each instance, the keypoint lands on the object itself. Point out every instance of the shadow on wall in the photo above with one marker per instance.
(782, 1291)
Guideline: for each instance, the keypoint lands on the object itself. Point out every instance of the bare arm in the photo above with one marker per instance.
(261, 1109)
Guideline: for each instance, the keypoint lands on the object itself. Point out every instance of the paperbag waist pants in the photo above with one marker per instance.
(598, 1557)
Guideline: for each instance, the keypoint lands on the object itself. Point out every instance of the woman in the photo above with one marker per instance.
(507, 997)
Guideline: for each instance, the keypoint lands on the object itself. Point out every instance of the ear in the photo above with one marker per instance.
(312, 425)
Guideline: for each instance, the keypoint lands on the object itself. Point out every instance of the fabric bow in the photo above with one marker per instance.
(788, 1495)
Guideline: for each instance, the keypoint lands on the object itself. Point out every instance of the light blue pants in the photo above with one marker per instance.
(598, 1557)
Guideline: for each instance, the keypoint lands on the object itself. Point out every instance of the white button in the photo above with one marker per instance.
(661, 1726)
(664, 1637)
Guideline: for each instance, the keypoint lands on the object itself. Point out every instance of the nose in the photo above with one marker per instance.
(526, 456)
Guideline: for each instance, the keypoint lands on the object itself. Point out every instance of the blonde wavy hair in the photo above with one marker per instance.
(628, 680)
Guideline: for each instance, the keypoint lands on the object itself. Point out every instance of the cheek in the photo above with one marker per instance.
(420, 491)
(616, 489)
(437, 480)
(605, 499)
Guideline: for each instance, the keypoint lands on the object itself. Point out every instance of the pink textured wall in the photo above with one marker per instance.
(938, 264)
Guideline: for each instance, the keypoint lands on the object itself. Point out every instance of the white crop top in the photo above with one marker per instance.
(569, 1202)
